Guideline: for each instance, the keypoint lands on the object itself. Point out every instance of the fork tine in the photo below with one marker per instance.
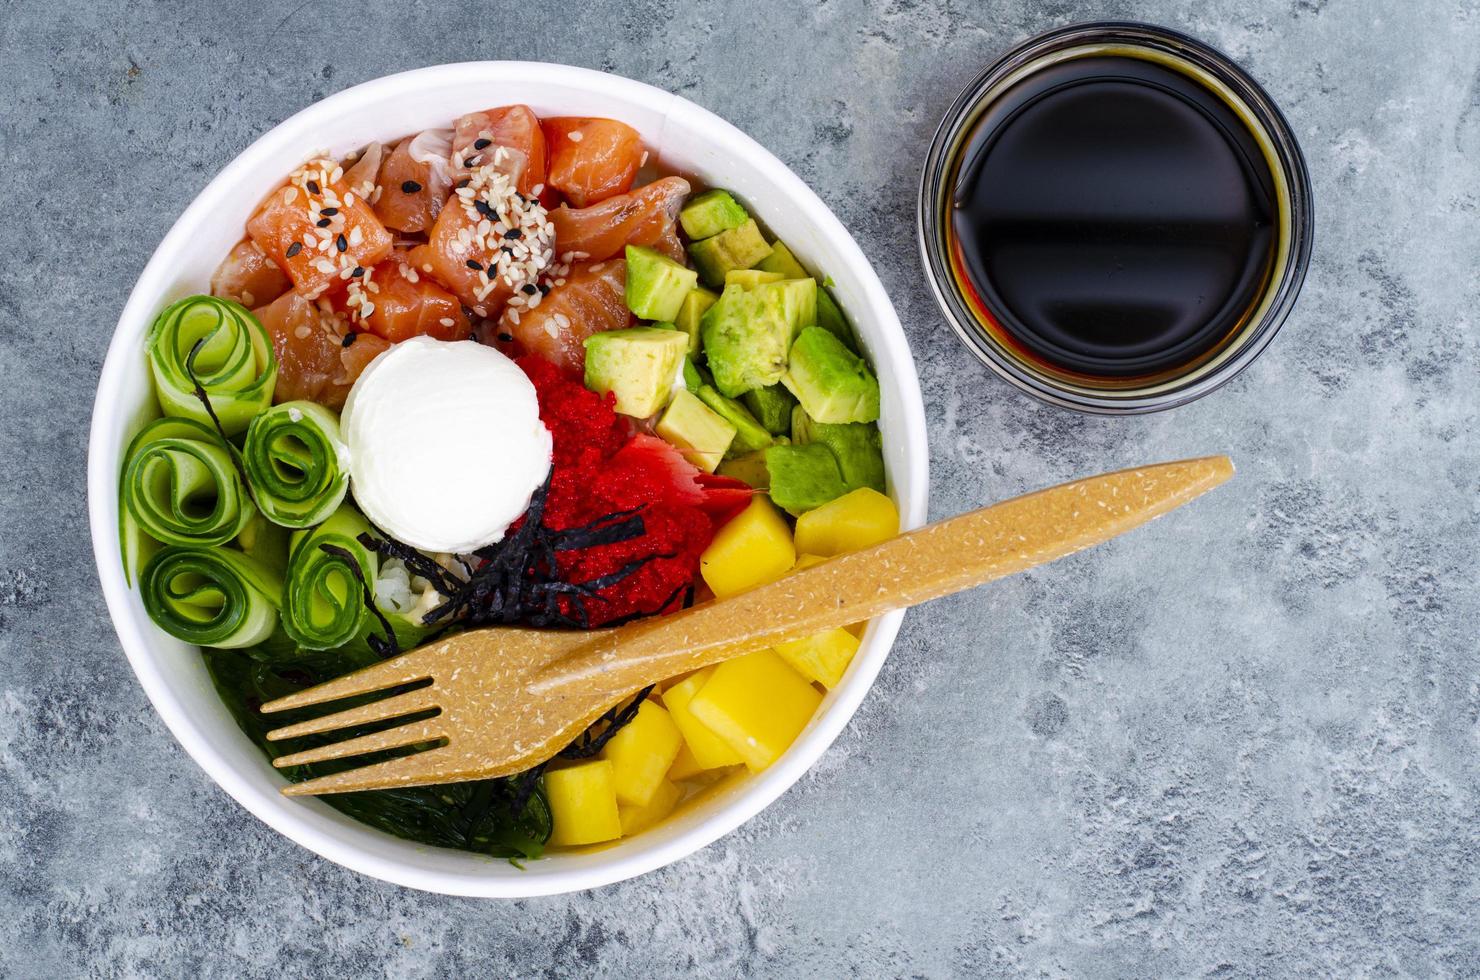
(402, 704)
(420, 769)
(413, 666)
(391, 738)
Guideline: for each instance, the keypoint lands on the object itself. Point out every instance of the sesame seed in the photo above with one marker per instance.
(359, 271)
(506, 337)
(577, 136)
(248, 299)
(313, 187)
(409, 187)
(349, 200)
(513, 233)
(463, 183)
(329, 212)
(537, 189)
(562, 321)
(301, 332)
(356, 236)
(544, 289)
(598, 267)
(426, 267)
(514, 317)
(475, 264)
(349, 338)
(322, 223)
(530, 288)
(294, 249)
(447, 321)
(644, 160)
(341, 244)
(480, 144)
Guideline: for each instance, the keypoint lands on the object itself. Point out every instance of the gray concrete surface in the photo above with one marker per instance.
(1241, 743)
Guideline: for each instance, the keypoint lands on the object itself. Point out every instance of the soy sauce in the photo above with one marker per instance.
(1115, 217)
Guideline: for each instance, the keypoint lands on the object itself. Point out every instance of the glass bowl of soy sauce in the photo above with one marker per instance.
(1115, 218)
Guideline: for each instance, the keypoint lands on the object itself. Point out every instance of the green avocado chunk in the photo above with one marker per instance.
(783, 262)
(696, 430)
(656, 285)
(749, 468)
(748, 333)
(833, 384)
(740, 247)
(694, 306)
(772, 407)
(803, 478)
(638, 365)
(831, 319)
(750, 435)
(710, 213)
(858, 447)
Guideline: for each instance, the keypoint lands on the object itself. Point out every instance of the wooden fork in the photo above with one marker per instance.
(509, 699)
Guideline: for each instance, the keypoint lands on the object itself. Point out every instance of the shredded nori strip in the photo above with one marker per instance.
(416, 562)
(205, 399)
(382, 648)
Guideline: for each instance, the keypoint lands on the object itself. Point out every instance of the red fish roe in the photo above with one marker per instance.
(600, 468)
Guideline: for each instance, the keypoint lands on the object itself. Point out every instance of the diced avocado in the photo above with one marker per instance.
(857, 447)
(638, 365)
(750, 277)
(748, 333)
(710, 213)
(803, 477)
(656, 285)
(833, 384)
(749, 468)
(782, 261)
(750, 435)
(697, 430)
(694, 306)
(740, 247)
(772, 408)
(831, 319)
(692, 379)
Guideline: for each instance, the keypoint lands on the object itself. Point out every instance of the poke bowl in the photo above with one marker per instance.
(678, 138)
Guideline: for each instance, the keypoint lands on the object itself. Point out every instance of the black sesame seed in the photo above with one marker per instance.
(485, 210)
(359, 271)
(514, 233)
(322, 223)
(506, 337)
(506, 250)
(409, 187)
(349, 338)
(529, 289)
(313, 187)
(294, 249)
(544, 289)
(464, 182)
(475, 264)
(341, 244)
(472, 161)
(480, 144)
(329, 212)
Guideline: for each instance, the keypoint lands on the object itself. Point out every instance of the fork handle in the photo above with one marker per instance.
(936, 560)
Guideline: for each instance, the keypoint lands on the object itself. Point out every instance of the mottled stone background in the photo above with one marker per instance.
(1243, 742)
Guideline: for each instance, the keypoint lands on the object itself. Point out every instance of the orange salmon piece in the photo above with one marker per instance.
(248, 276)
(592, 299)
(592, 159)
(410, 304)
(313, 362)
(513, 127)
(646, 216)
(411, 194)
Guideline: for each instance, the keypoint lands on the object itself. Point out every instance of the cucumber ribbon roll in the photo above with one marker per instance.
(227, 350)
(296, 462)
(323, 597)
(180, 486)
(212, 597)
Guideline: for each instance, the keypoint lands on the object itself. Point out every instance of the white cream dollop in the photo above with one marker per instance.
(445, 442)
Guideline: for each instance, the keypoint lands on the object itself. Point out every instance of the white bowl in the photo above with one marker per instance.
(686, 138)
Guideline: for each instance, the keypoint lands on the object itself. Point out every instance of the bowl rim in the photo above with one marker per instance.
(888, 342)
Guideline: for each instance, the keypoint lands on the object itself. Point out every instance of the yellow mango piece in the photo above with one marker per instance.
(822, 657)
(757, 704)
(707, 749)
(753, 549)
(641, 754)
(583, 804)
(855, 520)
(635, 818)
(807, 561)
(685, 766)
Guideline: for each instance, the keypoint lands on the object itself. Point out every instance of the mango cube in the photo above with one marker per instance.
(821, 658)
(635, 818)
(752, 549)
(641, 754)
(686, 766)
(757, 704)
(853, 521)
(583, 804)
(707, 749)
